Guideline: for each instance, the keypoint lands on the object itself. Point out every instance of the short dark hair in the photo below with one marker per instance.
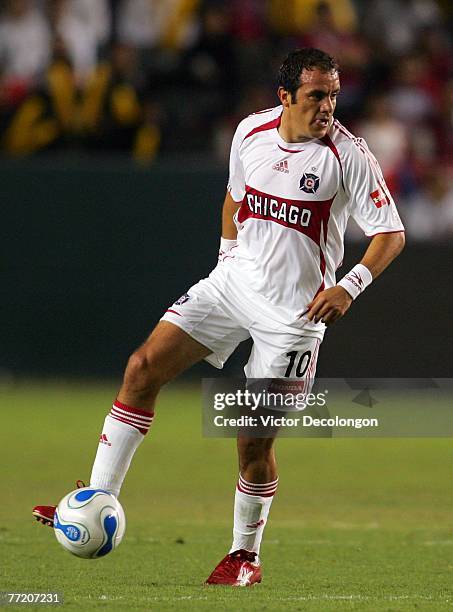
(308, 58)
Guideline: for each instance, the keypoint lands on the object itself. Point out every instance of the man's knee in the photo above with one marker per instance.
(252, 450)
(142, 371)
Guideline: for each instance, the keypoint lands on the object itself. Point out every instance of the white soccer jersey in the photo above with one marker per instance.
(296, 199)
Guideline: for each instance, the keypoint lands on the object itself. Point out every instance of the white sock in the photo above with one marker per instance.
(252, 503)
(124, 429)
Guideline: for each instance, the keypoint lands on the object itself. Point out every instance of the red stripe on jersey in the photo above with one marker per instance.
(289, 213)
(328, 141)
(174, 312)
(265, 110)
(270, 125)
(259, 205)
(360, 144)
(291, 150)
(322, 263)
(343, 130)
(322, 286)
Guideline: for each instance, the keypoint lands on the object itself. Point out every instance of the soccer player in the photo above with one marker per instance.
(296, 176)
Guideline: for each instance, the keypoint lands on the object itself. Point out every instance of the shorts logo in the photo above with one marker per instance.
(379, 198)
(309, 183)
(183, 299)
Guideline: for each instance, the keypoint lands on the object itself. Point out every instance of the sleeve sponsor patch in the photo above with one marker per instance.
(379, 198)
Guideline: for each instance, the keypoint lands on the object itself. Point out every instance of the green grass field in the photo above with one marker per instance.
(357, 524)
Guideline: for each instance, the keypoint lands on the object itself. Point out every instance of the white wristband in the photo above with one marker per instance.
(226, 245)
(356, 280)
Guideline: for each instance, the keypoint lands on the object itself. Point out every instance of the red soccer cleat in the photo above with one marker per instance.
(44, 514)
(239, 568)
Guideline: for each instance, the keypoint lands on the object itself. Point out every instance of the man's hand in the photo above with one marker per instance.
(329, 305)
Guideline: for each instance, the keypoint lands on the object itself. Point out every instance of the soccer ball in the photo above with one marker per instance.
(89, 523)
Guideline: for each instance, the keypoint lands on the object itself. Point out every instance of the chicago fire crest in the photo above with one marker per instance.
(309, 183)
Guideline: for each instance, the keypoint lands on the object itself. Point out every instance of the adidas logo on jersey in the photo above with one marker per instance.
(281, 166)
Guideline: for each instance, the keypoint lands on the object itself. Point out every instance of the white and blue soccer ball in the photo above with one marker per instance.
(89, 523)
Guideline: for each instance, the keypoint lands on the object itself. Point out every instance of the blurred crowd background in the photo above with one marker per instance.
(154, 79)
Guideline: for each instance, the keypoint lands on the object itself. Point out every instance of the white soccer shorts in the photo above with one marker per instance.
(219, 312)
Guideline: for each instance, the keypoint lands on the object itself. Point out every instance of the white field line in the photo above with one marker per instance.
(323, 597)
(411, 597)
(414, 596)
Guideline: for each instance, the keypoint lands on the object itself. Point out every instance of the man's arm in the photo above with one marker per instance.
(230, 207)
(331, 304)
